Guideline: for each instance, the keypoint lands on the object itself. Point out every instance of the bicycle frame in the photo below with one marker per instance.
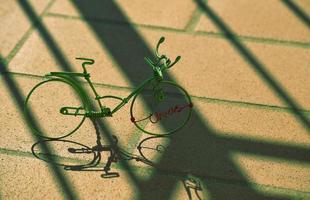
(86, 108)
(161, 64)
(68, 76)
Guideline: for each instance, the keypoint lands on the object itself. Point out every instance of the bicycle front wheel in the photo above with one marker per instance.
(161, 108)
(43, 105)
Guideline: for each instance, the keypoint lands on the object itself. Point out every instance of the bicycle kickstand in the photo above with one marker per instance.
(99, 148)
(106, 168)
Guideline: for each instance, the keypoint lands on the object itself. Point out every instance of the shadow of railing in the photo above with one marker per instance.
(254, 63)
(65, 66)
(297, 11)
(17, 96)
(280, 151)
(76, 156)
(127, 47)
(185, 148)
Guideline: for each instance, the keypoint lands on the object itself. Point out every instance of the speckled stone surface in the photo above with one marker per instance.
(243, 141)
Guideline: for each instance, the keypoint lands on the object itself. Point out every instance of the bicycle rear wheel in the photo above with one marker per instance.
(43, 104)
(162, 108)
(64, 153)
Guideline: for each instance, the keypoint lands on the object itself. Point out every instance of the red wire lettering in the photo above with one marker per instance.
(157, 116)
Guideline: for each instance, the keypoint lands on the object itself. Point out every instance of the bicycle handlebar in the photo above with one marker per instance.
(162, 62)
(161, 40)
(166, 61)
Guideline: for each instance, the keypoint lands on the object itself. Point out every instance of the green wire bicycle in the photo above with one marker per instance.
(60, 104)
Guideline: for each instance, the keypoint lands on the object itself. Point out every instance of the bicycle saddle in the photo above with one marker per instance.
(87, 61)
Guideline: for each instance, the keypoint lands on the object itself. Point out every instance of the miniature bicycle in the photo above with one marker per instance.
(158, 107)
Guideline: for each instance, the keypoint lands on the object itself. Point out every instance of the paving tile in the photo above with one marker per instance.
(104, 70)
(172, 14)
(262, 19)
(222, 70)
(303, 5)
(206, 148)
(241, 150)
(14, 23)
(42, 184)
(218, 190)
(287, 69)
(268, 171)
(250, 187)
(255, 123)
(215, 160)
(11, 122)
(211, 67)
(19, 182)
(27, 178)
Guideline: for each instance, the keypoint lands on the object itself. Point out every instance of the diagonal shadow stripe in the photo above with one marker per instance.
(145, 196)
(44, 34)
(63, 181)
(280, 151)
(297, 11)
(127, 48)
(254, 63)
(65, 66)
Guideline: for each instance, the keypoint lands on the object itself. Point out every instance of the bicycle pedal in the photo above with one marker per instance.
(71, 150)
(73, 168)
(82, 150)
(115, 139)
(110, 175)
